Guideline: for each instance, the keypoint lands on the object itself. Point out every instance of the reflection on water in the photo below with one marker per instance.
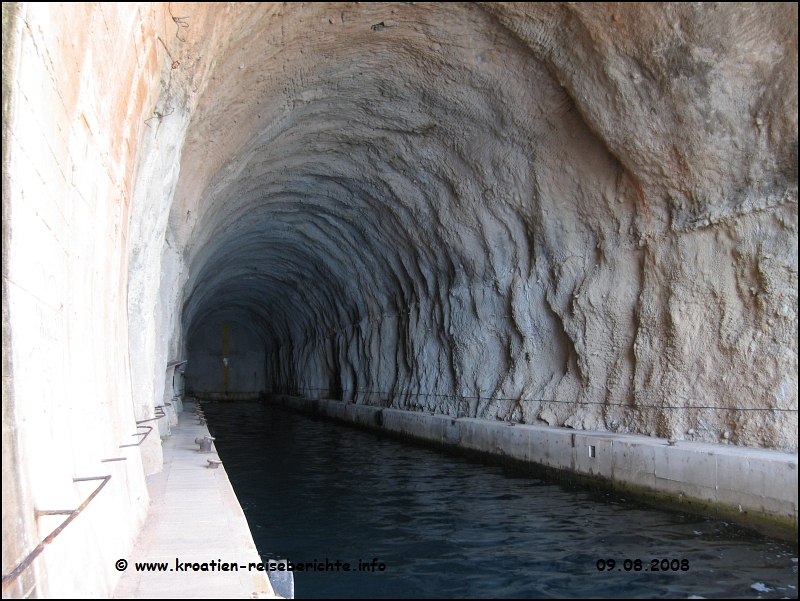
(449, 527)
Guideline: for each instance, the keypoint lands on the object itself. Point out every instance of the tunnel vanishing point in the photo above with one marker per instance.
(566, 215)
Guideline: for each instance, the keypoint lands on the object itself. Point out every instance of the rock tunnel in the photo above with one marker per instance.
(568, 214)
(484, 220)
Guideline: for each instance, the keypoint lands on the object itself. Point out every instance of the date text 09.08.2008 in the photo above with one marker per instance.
(636, 565)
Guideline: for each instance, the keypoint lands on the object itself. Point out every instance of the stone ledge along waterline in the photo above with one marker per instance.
(753, 487)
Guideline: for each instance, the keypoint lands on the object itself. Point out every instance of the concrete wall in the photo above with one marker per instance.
(70, 147)
(245, 359)
(95, 110)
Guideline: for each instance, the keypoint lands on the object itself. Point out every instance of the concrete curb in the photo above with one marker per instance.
(754, 487)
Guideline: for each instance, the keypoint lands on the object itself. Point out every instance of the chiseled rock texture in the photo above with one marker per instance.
(575, 214)
(590, 205)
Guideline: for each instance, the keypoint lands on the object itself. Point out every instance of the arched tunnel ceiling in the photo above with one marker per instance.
(502, 199)
(352, 196)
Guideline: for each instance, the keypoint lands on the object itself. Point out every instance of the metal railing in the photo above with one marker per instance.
(73, 513)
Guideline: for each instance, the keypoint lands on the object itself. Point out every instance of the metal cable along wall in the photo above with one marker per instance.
(490, 400)
(375, 321)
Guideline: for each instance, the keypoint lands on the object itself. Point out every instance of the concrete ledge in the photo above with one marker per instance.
(753, 487)
(194, 517)
(225, 396)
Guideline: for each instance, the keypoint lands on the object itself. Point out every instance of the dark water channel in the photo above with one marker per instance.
(445, 526)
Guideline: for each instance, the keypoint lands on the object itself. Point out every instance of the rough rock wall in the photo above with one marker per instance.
(442, 206)
(589, 205)
(699, 103)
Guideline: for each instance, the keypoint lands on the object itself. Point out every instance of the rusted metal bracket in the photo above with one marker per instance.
(73, 513)
(40, 512)
(159, 414)
(159, 410)
(145, 435)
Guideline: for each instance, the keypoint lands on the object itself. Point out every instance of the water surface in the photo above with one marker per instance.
(445, 526)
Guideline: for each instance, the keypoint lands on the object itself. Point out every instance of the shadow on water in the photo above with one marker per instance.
(447, 526)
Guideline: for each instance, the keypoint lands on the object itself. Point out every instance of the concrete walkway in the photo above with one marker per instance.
(194, 517)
